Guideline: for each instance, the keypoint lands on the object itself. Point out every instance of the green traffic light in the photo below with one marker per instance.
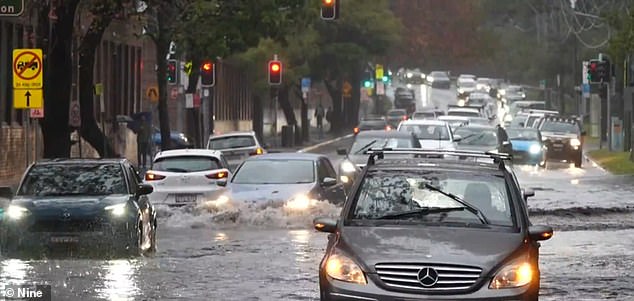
(367, 84)
(385, 79)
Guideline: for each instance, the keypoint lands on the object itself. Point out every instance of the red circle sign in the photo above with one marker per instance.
(20, 70)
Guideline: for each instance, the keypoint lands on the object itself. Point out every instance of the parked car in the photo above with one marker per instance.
(424, 228)
(236, 146)
(85, 205)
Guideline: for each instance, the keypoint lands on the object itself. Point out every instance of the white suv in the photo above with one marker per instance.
(186, 176)
(432, 134)
(236, 146)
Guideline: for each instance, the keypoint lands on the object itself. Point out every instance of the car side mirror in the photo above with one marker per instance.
(324, 224)
(342, 151)
(221, 182)
(328, 181)
(6, 192)
(457, 138)
(144, 189)
(528, 193)
(538, 233)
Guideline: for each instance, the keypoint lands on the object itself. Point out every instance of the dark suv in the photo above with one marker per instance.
(422, 228)
(563, 137)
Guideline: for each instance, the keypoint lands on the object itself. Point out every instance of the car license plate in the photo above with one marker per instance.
(558, 145)
(64, 239)
(185, 198)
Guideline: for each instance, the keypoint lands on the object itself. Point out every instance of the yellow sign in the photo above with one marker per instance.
(379, 72)
(27, 69)
(152, 93)
(27, 98)
(98, 89)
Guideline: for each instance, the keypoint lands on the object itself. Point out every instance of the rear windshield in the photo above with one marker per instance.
(397, 113)
(426, 131)
(231, 142)
(264, 172)
(463, 113)
(186, 164)
(74, 179)
(424, 115)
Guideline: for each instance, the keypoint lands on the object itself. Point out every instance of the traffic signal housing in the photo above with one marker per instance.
(329, 9)
(275, 72)
(207, 74)
(604, 71)
(172, 72)
(598, 71)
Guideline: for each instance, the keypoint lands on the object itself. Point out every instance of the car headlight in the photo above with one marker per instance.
(502, 92)
(534, 149)
(514, 274)
(117, 209)
(409, 86)
(430, 78)
(341, 267)
(575, 142)
(348, 167)
(300, 202)
(409, 75)
(16, 212)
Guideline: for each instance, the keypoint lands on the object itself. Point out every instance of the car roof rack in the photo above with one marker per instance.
(379, 153)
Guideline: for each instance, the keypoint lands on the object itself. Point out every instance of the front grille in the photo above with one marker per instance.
(80, 225)
(406, 276)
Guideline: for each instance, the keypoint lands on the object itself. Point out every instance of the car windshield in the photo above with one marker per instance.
(373, 125)
(426, 131)
(463, 113)
(231, 142)
(397, 113)
(477, 136)
(390, 192)
(265, 171)
(559, 127)
(521, 134)
(186, 163)
(74, 179)
(531, 120)
(359, 145)
(438, 74)
(467, 83)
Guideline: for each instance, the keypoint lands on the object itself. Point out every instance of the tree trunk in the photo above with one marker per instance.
(57, 80)
(89, 128)
(162, 49)
(287, 108)
(335, 94)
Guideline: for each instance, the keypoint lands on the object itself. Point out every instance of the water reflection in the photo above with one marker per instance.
(14, 271)
(119, 281)
(220, 236)
(300, 241)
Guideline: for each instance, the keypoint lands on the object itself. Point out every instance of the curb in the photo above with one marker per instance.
(318, 145)
(595, 164)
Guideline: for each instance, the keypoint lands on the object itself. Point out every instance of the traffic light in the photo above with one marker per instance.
(367, 83)
(172, 68)
(329, 9)
(207, 74)
(275, 72)
(603, 71)
(593, 75)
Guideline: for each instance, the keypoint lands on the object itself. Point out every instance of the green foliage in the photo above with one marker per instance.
(622, 40)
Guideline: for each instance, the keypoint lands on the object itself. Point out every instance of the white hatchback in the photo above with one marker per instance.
(432, 134)
(186, 176)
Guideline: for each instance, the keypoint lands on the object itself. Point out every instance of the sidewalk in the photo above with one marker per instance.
(275, 142)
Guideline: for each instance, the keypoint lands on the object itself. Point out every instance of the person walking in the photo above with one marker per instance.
(320, 114)
(143, 142)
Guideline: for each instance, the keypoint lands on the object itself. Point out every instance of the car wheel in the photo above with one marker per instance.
(152, 248)
(578, 160)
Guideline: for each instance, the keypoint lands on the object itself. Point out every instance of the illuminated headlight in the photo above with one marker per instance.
(300, 202)
(523, 95)
(515, 274)
(502, 92)
(343, 268)
(344, 179)
(461, 102)
(409, 75)
(348, 167)
(430, 79)
(117, 209)
(575, 142)
(534, 149)
(508, 118)
(409, 86)
(16, 212)
(460, 90)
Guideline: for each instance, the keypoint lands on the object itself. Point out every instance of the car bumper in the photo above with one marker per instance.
(563, 153)
(180, 197)
(335, 290)
(524, 157)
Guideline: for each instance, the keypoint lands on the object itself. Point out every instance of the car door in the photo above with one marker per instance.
(333, 193)
(143, 202)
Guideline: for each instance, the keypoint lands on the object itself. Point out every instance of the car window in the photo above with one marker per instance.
(396, 113)
(132, 179)
(231, 142)
(559, 127)
(263, 172)
(186, 163)
(463, 113)
(390, 192)
(324, 169)
(74, 179)
(483, 138)
(519, 134)
(426, 131)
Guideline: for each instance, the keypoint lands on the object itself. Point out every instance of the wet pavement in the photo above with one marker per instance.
(269, 255)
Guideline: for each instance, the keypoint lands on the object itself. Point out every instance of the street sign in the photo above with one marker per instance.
(152, 93)
(11, 8)
(37, 113)
(306, 84)
(74, 116)
(346, 89)
(542, 84)
(98, 89)
(189, 101)
(27, 99)
(585, 90)
(174, 93)
(187, 67)
(379, 72)
(27, 69)
(380, 88)
(584, 72)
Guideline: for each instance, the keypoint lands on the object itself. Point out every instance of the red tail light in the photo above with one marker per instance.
(388, 128)
(221, 174)
(258, 151)
(150, 176)
(356, 130)
(405, 117)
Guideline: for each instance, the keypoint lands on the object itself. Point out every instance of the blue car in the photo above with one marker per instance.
(528, 147)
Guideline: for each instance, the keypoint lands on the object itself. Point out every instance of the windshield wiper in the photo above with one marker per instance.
(366, 147)
(456, 198)
(420, 211)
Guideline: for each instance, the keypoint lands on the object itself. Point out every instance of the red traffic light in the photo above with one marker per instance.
(328, 2)
(207, 74)
(593, 66)
(207, 66)
(275, 72)
(275, 67)
(329, 9)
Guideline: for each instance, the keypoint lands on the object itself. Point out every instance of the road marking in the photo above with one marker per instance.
(310, 148)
